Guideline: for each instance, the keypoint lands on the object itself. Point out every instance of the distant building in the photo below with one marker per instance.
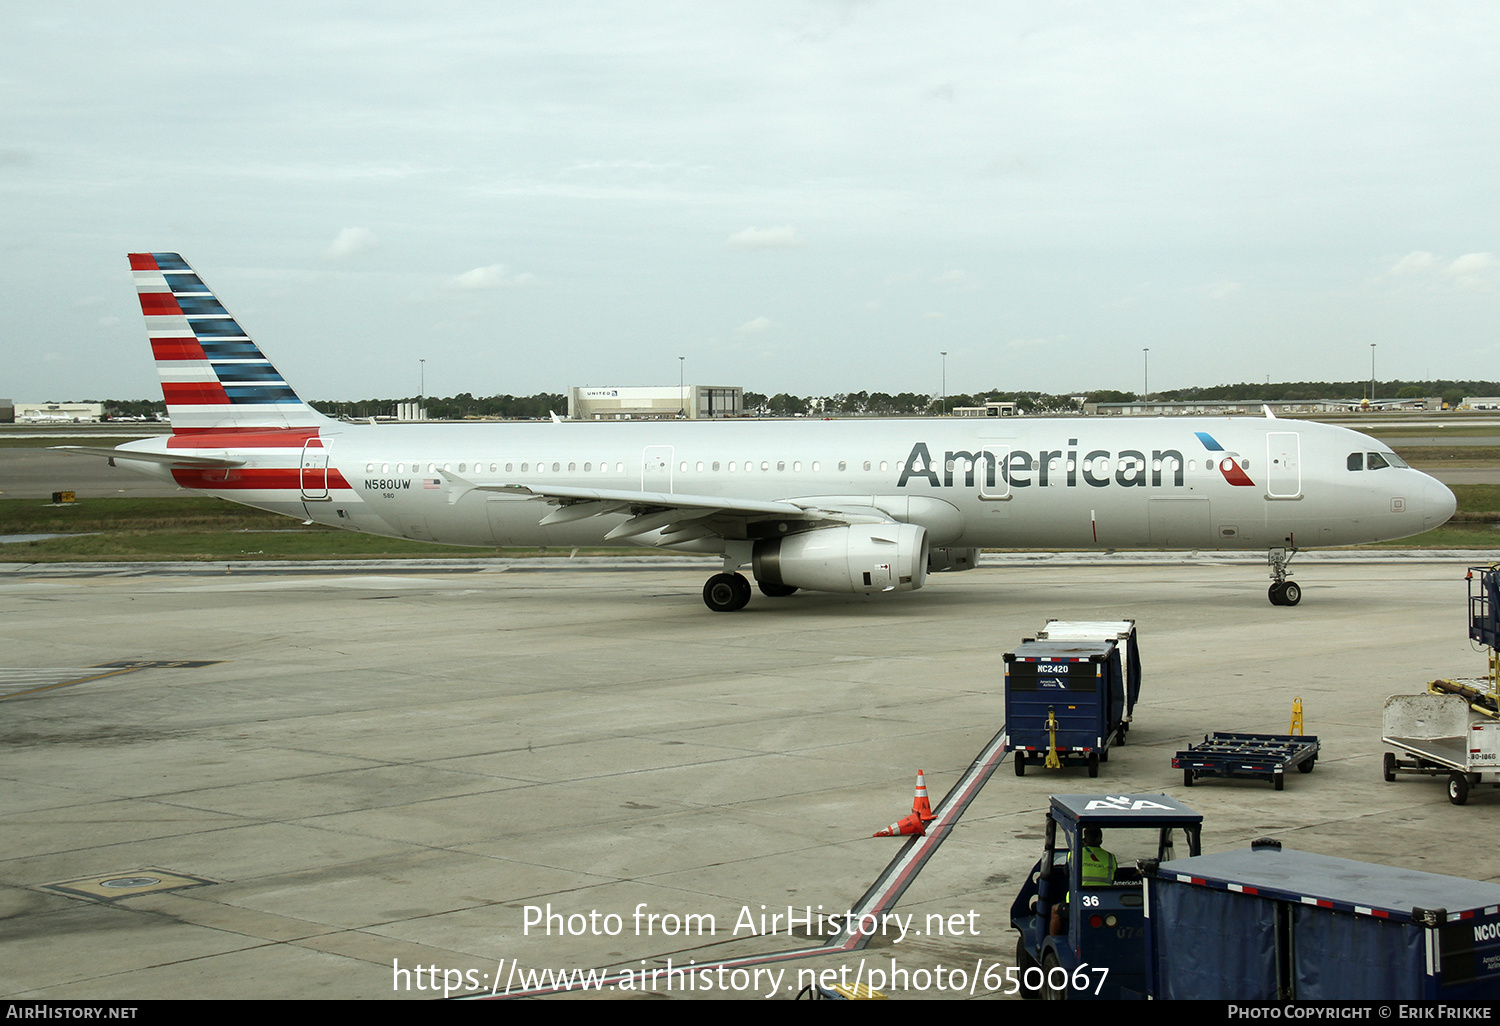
(990, 409)
(7, 411)
(1483, 402)
(58, 413)
(667, 402)
(1255, 407)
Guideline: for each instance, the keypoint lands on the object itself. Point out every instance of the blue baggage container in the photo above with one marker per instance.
(1261, 923)
(1064, 698)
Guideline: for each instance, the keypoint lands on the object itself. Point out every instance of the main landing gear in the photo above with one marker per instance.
(1284, 592)
(724, 593)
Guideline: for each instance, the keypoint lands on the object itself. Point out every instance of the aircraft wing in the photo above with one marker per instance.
(677, 515)
(166, 459)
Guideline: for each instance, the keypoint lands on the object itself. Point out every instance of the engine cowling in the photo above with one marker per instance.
(858, 559)
(951, 560)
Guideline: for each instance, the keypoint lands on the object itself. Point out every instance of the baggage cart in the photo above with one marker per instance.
(1263, 924)
(1439, 733)
(1123, 634)
(1064, 703)
(1260, 756)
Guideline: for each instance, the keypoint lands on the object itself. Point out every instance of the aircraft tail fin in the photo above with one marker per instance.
(213, 376)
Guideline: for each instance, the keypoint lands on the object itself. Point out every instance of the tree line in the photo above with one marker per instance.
(881, 404)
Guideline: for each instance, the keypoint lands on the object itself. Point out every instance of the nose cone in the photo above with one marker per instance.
(1438, 504)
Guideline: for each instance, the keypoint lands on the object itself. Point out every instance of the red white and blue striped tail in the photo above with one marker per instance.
(213, 376)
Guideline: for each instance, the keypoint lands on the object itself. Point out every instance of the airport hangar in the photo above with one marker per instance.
(334, 771)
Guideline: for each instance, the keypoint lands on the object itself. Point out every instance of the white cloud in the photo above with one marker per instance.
(1472, 272)
(755, 327)
(1475, 271)
(780, 237)
(495, 276)
(351, 242)
(1414, 262)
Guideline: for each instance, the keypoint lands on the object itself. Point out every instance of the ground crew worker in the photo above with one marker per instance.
(1098, 868)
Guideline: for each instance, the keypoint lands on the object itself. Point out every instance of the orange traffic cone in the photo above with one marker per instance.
(919, 804)
(911, 824)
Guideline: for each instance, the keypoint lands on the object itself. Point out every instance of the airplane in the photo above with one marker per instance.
(853, 507)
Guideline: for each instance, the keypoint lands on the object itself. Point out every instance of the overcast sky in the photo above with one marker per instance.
(810, 197)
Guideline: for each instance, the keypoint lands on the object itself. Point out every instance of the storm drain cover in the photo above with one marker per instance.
(115, 886)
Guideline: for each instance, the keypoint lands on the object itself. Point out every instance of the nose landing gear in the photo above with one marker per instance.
(1283, 592)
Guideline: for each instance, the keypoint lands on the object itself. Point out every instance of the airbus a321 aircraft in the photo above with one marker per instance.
(838, 506)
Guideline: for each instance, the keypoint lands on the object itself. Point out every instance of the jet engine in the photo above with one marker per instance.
(860, 558)
(951, 560)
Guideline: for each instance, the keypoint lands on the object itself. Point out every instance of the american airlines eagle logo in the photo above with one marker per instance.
(1229, 463)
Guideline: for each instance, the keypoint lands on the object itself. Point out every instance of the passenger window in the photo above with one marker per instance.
(780, 466)
(1356, 461)
(867, 464)
(1377, 461)
(843, 466)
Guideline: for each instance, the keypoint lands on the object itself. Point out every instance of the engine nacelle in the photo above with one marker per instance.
(859, 559)
(950, 560)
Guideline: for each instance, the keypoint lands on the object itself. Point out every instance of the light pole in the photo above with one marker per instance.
(1146, 355)
(422, 379)
(944, 353)
(1372, 372)
(681, 386)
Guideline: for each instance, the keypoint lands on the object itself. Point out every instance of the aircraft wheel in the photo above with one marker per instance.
(775, 590)
(1458, 788)
(1275, 594)
(742, 591)
(1389, 766)
(1291, 593)
(1020, 764)
(724, 593)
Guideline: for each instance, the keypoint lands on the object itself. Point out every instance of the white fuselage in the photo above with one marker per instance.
(1076, 483)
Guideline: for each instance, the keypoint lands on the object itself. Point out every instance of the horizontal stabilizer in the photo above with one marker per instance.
(166, 459)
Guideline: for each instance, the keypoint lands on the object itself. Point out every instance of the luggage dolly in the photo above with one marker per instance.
(1261, 756)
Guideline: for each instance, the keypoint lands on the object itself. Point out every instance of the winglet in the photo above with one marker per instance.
(1267, 410)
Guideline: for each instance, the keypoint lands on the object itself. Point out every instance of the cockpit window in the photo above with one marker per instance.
(1356, 461)
(1377, 461)
(1393, 459)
